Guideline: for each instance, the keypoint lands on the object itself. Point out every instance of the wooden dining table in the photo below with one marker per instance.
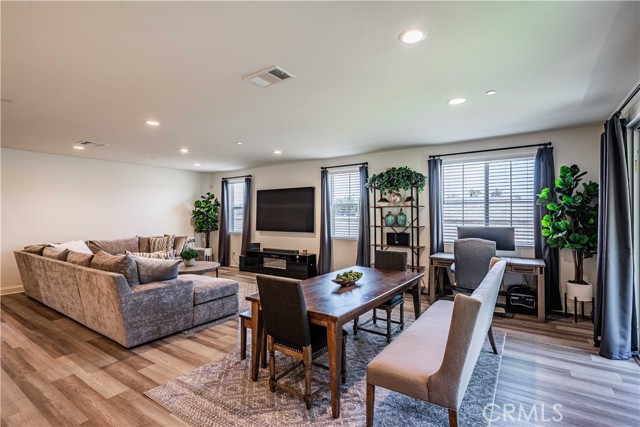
(331, 305)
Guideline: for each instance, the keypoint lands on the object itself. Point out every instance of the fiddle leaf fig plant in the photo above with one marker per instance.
(395, 179)
(205, 215)
(572, 221)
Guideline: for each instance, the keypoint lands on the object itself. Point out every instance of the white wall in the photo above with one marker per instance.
(577, 145)
(51, 198)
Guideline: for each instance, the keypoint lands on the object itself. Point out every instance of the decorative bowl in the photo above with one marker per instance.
(345, 283)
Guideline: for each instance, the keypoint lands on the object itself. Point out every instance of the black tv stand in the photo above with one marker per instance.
(278, 262)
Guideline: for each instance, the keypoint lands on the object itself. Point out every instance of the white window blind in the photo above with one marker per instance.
(344, 190)
(236, 201)
(489, 193)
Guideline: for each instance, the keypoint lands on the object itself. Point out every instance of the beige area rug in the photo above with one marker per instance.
(222, 393)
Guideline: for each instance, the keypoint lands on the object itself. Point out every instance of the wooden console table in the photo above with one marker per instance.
(440, 261)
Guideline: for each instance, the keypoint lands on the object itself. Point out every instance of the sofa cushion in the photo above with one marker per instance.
(80, 258)
(114, 247)
(143, 244)
(207, 288)
(35, 249)
(178, 243)
(73, 245)
(164, 243)
(156, 270)
(156, 255)
(53, 253)
(123, 264)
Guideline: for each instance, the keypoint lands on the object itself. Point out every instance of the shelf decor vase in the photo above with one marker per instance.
(401, 219)
(390, 219)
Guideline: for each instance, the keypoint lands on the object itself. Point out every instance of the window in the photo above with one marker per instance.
(489, 193)
(344, 190)
(236, 201)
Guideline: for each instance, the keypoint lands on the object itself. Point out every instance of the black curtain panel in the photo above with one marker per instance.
(246, 216)
(224, 237)
(363, 257)
(324, 257)
(544, 177)
(615, 330)
(435, 206)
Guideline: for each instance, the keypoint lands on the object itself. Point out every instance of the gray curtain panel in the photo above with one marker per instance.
(364, 237)
(324, 257)
(544, 177)
(224, 237)
(246, 217)
(615, 318)
(435, 206)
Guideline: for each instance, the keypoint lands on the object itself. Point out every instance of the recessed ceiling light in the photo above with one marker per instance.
(196, 164)
(152, 123)
(277, 151)
(491, 92)
(239, 143)
(184, 150)
(412, 36)
(78, 147)
(456, 101)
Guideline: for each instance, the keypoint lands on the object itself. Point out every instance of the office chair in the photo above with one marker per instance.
(289, 331)
(387, 260)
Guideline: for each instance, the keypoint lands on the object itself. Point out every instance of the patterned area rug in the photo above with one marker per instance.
(222, 393)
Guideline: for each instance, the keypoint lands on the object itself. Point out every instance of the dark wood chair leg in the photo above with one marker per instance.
(272, 365)
(493, 343)
(344, 360)
(389, 310)
(243, 340)
(264, 350)
(355, 326)
(371, 392)
(402, 316)
(375, 317)
(307, 361)
(453, 418)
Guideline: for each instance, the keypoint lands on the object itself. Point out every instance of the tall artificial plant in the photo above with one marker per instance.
(205, 215)
(395, 179)
(572, 221)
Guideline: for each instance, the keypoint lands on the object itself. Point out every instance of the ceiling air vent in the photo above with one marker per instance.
(90, 144)
(269, 76)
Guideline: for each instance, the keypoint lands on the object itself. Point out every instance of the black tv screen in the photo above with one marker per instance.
(286, 209)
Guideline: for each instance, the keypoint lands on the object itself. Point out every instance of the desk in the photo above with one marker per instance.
(331, 306)
(440, 261)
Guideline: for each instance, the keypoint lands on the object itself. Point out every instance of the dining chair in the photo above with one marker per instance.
(289, 331)
(387, 260)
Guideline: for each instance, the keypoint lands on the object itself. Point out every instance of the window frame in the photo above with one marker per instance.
(353, 233)
(232, 185)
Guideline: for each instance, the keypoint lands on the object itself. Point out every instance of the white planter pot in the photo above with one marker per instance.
(190, 262)
(583, 292)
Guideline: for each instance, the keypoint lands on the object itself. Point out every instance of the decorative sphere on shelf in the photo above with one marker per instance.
(395, 198)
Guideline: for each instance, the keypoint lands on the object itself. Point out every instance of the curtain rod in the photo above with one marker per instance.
(626, 101)
(235, 177)
(490, 149)
(344, 166)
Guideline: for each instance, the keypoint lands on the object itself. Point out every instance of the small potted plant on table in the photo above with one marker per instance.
(189, 256)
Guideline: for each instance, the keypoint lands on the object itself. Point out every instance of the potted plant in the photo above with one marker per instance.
(395, 179)
(189, 256)
(205, 215)
(572, 221)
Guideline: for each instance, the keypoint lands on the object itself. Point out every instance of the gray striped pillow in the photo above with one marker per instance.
(157, 244)
(155, 255)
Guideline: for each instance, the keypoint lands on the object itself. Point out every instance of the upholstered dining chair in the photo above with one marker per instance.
(289, 331)
(387, 260)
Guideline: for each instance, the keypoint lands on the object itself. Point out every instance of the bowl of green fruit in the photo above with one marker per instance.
(347, 278)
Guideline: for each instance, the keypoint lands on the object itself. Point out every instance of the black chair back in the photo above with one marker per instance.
(391, 260)
(472, 257)
(284, 309)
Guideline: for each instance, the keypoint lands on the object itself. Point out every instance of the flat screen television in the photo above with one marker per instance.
(286, 209)
(503, 236)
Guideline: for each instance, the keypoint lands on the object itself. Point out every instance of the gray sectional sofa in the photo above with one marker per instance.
(128, 314)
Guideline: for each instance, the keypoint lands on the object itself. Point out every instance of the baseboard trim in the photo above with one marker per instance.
(11, 290)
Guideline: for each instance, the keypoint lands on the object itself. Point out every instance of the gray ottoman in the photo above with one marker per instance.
(213, 298)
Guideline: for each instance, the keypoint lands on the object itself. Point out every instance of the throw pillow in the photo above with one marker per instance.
(157, 244)
(156, 270)
(53, 253)
(144, 244)
(35, 249)
(80, 258)
(155, 255)
(114, 247)
(123, 264)
(73, 245)
(178, 243)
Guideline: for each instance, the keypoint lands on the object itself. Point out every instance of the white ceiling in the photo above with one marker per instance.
(96, 71)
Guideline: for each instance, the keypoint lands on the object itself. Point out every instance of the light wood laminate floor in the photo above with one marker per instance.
(57, 372)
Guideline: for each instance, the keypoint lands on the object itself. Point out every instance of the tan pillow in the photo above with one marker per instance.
(157, 244)
(35, 249)
(123, 264)
(155, 255)
(178, 243)
(156, 270)
(144, 244)
(52, 253)
(80, 258)
(114, 247)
